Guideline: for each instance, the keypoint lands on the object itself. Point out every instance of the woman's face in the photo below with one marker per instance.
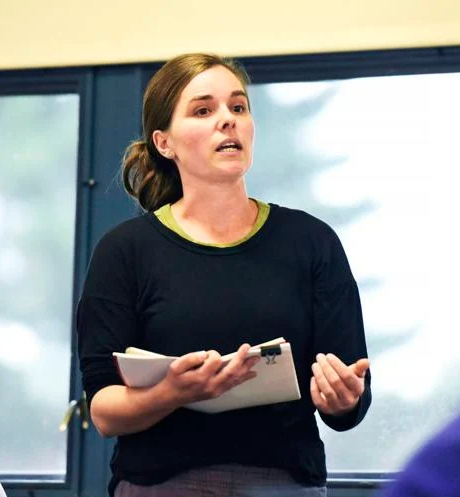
(212, 131)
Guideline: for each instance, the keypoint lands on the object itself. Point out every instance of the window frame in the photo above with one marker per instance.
(110, 112)
(55, 82)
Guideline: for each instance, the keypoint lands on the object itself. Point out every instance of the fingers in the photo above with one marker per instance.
(336, 387)
(251, 362)
(347, 378)
(212, 364)
(188, 361)
(236, 371)
(318, 399)
(247, 376)
(331, 388)
(240, 357)
(360, 367)
(204, 375)
(208, 366)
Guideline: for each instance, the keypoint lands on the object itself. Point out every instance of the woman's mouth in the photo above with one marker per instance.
(229, 146)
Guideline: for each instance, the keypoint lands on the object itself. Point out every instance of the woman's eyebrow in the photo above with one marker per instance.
(236, 93)
(201, 97)
(239, 93)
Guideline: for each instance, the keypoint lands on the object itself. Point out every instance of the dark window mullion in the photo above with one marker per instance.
(54, 82)
(316, 67)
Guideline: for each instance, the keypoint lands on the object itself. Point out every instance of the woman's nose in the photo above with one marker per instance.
(227, 120)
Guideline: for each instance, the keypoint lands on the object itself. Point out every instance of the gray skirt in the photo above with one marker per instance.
(225, 480)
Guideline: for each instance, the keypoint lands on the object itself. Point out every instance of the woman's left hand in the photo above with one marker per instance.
(335, 387)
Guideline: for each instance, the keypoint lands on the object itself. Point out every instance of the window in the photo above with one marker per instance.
(377, 158)
(364, 141)
(38, 183)
(40, 250)
(62, 134)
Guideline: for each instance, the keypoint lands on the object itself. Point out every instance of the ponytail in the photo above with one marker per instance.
(149, 177)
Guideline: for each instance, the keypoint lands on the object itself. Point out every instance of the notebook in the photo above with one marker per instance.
(276, 379)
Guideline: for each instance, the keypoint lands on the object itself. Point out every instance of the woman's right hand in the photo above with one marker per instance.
(119, 410)
(200, 375)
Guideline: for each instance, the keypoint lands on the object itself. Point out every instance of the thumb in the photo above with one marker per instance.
(360, 367)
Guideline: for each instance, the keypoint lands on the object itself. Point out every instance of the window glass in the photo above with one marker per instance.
(38, 163)
(378, 159)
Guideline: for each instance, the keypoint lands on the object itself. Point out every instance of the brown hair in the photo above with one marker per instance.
(148, 176)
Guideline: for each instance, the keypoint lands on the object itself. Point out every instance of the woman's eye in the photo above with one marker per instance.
(238, 108)
(202, 111)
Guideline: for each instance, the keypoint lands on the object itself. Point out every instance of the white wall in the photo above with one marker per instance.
(50, 33)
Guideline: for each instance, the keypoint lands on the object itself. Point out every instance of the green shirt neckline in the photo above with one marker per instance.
(165, 216)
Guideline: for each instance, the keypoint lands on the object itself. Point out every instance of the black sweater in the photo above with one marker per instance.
(150, 288)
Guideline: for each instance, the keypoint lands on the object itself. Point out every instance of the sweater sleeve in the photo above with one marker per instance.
(106, 317)
(338, 321)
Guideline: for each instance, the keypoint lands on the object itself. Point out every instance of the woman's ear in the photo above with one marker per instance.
(160, 140)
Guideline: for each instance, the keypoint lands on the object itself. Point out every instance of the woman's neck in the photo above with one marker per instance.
(218, 215)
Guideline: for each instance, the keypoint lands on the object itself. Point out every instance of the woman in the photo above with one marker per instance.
(208, 269)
